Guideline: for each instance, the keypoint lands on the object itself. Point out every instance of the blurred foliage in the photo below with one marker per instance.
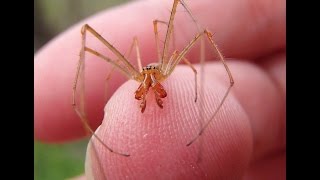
(51, 161)
(52, 17)
(54, 162)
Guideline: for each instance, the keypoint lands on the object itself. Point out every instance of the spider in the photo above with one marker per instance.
(150, 76)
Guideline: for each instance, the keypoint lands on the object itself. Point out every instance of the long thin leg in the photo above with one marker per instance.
(122, 69)
(215, 47)
(181, 56)
(80, 72)
(131, 69)
(156, 33)
(170, 31)
(195, 77)
(171, 60)
(127, 70)
(202, 61)
(81, 113)
(165, 67)
(136, 44)
(190, 14)
(133, 44)
(85, 121)
(164, 58)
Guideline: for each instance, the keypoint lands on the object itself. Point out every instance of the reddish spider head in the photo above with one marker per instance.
(152, 76)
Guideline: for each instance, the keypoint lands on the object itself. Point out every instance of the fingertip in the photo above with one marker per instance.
(156, 139)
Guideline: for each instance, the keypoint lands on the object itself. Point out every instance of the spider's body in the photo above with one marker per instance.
(152, 77)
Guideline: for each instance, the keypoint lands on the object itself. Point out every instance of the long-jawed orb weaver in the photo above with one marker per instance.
(150, 76)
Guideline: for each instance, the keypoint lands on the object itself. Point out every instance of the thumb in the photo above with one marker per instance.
(156, 139)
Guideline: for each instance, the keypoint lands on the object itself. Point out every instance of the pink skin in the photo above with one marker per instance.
(247, 139)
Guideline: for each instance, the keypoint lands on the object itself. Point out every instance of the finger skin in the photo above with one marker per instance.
(55, 64)
(156, 139)
(271, 167)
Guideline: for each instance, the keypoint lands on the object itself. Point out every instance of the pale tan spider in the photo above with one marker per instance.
(151, 75)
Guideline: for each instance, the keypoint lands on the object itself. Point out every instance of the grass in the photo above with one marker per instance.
(59, 161)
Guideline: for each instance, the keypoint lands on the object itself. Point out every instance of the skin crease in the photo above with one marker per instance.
(247, 139)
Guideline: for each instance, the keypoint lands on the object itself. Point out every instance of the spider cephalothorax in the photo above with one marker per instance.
(152, 76)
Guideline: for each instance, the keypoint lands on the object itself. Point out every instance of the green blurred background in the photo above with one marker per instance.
(54, 16)
(53, 161)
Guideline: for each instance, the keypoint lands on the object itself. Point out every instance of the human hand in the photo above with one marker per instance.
(247, 139)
